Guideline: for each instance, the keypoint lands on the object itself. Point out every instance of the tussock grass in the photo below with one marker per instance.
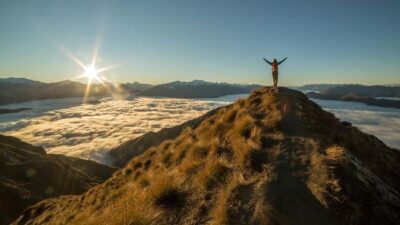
(199, 151)
(132, 209)
(219, 214)
(214, 173)
(168, 193)
(242, 126)
(222, 151)
(322, 182)
(257, 158)
(336, 154)
(167, 159)
(144, 181)
(190, 167)
(147, 164)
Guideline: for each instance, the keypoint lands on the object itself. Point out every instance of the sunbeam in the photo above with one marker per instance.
(90, 71)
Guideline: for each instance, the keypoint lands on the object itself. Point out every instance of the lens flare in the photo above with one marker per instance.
(89, 70)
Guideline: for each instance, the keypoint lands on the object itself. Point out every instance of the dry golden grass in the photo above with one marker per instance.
(322, 182)
(213, 174)
(219, 213)
(131, 209)
(189, 167)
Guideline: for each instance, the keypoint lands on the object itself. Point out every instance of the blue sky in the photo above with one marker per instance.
(341, 41)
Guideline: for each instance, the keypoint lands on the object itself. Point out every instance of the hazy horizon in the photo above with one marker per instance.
(224, 41)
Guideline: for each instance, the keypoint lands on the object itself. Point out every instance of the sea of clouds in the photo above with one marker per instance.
(384, 123)
(88, 130)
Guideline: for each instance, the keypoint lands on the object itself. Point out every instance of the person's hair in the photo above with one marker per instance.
(275, 61)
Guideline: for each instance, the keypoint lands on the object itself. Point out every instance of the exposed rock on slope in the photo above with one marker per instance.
(29, 175)
(270, 159)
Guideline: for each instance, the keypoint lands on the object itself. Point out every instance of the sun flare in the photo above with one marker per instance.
(91, 72)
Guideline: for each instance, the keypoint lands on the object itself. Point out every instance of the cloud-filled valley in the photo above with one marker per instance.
(85, 129)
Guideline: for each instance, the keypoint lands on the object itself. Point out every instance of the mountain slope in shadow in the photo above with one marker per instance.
(274, 158)
(29, 175)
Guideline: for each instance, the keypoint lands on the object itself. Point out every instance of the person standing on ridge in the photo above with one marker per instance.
(275, 65)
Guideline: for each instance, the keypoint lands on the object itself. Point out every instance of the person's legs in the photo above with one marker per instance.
(275, 78)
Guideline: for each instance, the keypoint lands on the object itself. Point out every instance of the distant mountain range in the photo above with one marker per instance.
(22, 89)
(364, 91)
(197, 89)
(361, 93)
(316, 87)
(136, 86)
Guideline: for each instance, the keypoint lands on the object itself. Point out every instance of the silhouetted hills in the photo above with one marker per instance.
(21, 89)
(274, 158)
(365, 91)
(138, 87)
(29, 175)
(17, 80)
(197, 89)
(26, 91)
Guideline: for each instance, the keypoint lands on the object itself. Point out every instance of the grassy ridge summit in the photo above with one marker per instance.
(29, 175)
(274, 158)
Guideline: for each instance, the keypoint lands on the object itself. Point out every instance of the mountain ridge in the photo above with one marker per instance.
(274, 158)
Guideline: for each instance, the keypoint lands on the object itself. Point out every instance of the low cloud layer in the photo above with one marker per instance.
(384, 125)
(82, 130)
(88, 130)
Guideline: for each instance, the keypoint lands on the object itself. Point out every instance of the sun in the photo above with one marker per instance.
(91, 72)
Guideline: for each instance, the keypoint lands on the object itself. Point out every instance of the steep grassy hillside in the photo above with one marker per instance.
(122, 154)
(270, 159)
(29, 175)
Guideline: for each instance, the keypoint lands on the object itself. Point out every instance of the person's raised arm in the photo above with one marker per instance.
(282, 61)
(270, 63)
